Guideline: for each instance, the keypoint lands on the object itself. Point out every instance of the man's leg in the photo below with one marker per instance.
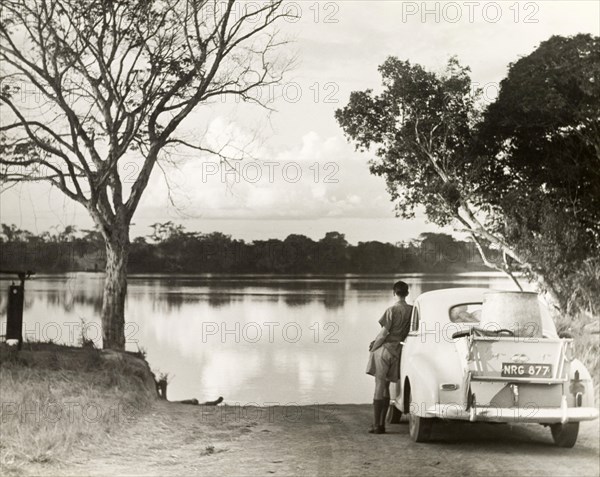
(378, 404)
(385, 404)
(382, 389)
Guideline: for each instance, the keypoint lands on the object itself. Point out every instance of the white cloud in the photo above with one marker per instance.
(317, 177)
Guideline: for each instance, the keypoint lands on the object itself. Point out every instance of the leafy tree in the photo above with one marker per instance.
(421, 130)
(11, 233)
(112, 82)
(540, 144)
(165, 232)
(300, 254)
(440, 251)
(92, 236)
(333, 252)
(376, 257)
(509, 178)
(67, 234)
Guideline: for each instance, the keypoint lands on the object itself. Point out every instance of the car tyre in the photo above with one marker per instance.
(419, 428)
(565, 435)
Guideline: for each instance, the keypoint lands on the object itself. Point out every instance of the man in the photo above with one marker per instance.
(384, 358)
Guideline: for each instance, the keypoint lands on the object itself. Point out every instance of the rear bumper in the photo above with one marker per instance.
(562, 414)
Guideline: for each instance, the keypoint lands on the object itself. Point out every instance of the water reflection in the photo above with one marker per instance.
(248, 338)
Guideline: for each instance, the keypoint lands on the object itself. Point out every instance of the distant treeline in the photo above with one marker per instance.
(171, 249)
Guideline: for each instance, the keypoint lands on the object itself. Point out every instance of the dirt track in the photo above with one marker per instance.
(177, 439)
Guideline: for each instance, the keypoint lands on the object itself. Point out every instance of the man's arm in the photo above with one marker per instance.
(380, 339)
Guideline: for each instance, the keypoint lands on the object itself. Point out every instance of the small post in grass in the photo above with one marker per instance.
(14, 311)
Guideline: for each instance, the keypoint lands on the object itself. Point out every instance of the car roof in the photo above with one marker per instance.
(440, 301)
(457, 293)
(434, 305)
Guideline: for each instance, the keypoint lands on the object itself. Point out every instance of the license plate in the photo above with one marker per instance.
(528, 370)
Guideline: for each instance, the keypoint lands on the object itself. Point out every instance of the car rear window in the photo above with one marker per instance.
(465, 313)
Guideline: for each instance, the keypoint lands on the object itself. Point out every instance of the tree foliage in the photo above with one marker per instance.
(420, 130)
(182, 251)
(521, 176)
(540, 154)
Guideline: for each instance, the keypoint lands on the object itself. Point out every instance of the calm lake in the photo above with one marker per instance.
(250, 339)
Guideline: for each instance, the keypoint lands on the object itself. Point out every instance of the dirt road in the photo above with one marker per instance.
(176, 439)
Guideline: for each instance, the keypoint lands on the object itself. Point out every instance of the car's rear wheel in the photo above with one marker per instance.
(394, 414)
(565, 435)
(419, 428)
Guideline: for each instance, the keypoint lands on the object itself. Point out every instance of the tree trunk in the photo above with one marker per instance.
(477, 230)
(115, 289)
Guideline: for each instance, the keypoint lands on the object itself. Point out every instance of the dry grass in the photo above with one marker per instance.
(586, 341)
(52, 397)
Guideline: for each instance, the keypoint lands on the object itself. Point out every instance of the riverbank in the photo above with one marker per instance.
(55, 398)
(175, 439)
(83, 411)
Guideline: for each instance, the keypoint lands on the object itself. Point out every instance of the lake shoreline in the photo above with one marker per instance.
(141, 434)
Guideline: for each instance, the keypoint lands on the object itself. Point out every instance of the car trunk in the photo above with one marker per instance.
(514, 371)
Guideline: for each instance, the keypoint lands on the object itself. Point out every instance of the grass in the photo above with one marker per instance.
(586, 342)
(52, 397)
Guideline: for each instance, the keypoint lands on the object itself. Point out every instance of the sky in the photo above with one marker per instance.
(304, 177)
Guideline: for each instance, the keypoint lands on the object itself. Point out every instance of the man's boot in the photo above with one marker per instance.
(376, 427)
(385, 405)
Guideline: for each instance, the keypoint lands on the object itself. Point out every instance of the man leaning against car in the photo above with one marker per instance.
(384, 357)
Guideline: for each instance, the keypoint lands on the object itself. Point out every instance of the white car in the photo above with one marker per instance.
(457, 365)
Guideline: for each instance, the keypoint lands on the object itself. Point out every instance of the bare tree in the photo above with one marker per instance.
(109, 81)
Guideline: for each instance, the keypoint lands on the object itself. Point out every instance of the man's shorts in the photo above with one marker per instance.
(384, 362)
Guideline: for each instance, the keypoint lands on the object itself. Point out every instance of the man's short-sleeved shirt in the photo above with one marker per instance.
(396, 320)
